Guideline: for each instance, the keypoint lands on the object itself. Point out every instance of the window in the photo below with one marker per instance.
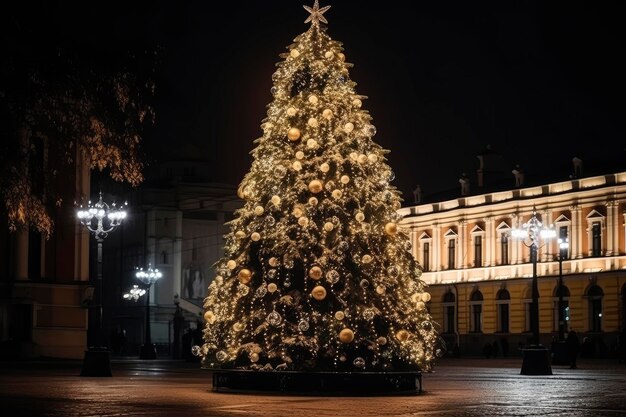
(503, 300)
(451, 254)
(561, 291)
(478, 251)
(504, 249)
(449, 313)
(476, 305)
(426, 256)
(596, 235)
(594, 295)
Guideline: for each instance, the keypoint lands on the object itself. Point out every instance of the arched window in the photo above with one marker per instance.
(564, 291)
(476, 306)
(503, 301)
(594, 297)
(449, 312)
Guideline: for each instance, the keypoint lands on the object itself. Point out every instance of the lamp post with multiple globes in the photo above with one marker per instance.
(100, 219)
(536, 356)
(148, 277)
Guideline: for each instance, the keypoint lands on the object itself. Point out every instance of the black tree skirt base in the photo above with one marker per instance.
(320, 383)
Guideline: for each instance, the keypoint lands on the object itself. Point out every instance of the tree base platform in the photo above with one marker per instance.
(318, 383)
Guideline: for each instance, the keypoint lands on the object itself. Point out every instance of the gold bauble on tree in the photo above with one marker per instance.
(293, 134)
(402, 335)
(391, 228)
(244, 276)
(315, 186)
(209, 317)
(315, 273)
(346, 335)
(319, 293)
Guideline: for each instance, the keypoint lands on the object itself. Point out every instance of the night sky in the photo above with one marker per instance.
(540, 82)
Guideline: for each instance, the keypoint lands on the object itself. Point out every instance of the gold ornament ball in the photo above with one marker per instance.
(297, 212)
(291, 111)
(324, 167)
(319, 293)
(237, 327)
(239, 234)
(255, 236)
(299, 155)
(391, 228)
(420, 305)
(416, 297)
(340, 315)
(313, 99)
(402, 335)
(359, 216)
(313, 201)
(273, 261)
(382, 340)
(362, 159)
(294, 53)
(328, 226)
(315, 273)
(337, 193)
(341, 56)
(231, 264)
(328, 54)
(348, 127)
(312, 122)
(293, 134)
(366, 259)
(315, 186)
(327, 114)
(258, 210)
(426, 297)
(354, 156)
(380, 290)
(357, 103)
(344, 179)
(296, 165)
(373, 158)
(272, 287)
(254, 357)
(346, 335)
(209, 317)
(303, 221)
(311, 144)
(244, 276)
(275, 200)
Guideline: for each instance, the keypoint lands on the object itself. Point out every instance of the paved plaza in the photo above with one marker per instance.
(457, 387)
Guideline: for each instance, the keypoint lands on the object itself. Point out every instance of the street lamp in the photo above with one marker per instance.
(148, 277)
(536, 356)
(563, 247)
(100, 219)
(134, 293)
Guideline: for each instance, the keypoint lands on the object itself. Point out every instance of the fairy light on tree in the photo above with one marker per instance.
(317, 275)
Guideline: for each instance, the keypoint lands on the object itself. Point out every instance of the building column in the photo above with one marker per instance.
(490, 240)
(612, 228)
(515, 243)
(577, 233)
(21, 254)
(461, 245)
(437, 249)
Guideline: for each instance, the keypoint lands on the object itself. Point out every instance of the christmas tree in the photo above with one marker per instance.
(317, 275)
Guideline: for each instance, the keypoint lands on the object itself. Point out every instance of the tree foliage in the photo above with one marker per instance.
(62, 103)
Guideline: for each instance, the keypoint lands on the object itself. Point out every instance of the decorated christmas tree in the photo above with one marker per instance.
(317, 274)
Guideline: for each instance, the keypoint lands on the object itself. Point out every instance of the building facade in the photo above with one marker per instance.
(480, 275)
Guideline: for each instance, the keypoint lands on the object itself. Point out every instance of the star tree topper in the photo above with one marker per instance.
(316, 13)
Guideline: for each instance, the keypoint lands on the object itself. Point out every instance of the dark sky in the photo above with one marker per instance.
(540, 82)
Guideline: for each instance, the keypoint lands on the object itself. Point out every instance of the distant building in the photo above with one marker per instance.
(480, 276)
(176, 224)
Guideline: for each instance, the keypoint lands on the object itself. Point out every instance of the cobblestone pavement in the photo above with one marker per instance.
(457, 387)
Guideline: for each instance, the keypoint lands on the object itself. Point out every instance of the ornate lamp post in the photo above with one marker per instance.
(134, 293)
(563, 248)
(100, 219)
(148, 277)
(536, 356)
